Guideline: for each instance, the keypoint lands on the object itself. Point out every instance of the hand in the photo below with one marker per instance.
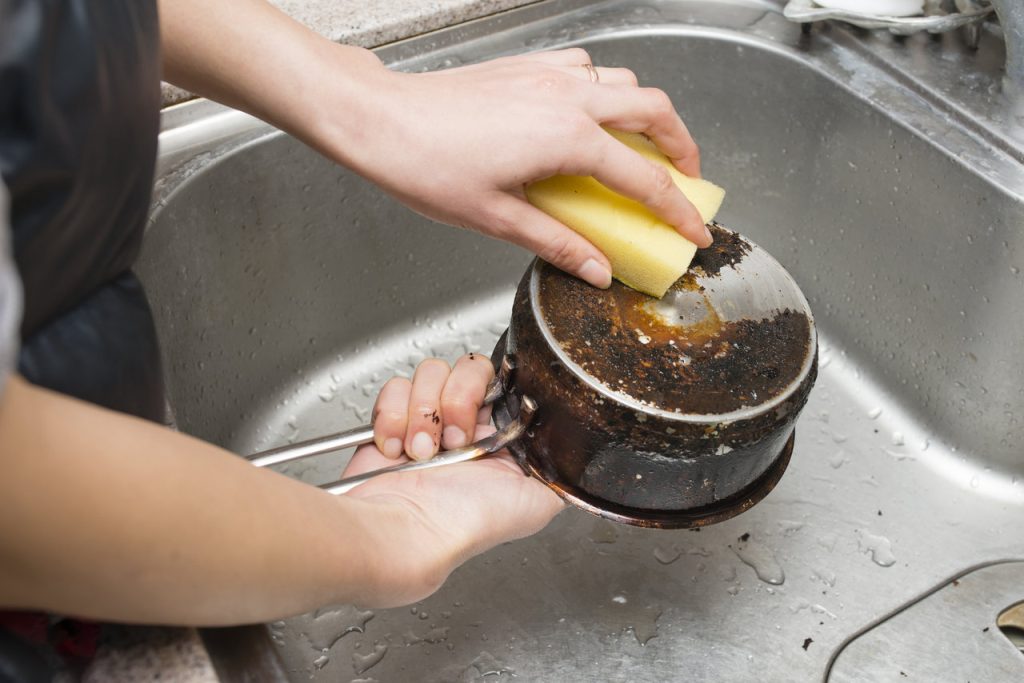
(453, 512)
(439, 406)
(459, 146)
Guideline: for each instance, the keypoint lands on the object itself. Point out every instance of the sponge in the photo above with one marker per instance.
(645, 253)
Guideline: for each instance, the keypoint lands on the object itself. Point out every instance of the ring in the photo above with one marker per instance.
(592, 73)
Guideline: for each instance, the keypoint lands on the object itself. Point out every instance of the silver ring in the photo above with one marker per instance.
(592, 73)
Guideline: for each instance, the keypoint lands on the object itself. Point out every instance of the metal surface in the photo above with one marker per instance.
(288, 290)
(803, 11)
(1011, 17)
(490, 444)
(950, 634)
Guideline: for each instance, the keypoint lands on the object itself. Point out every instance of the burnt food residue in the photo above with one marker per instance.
(728, 249)
(708, 367)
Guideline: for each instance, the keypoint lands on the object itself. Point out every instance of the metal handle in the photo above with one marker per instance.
(495, 442)
(307, 449)
(359, 436)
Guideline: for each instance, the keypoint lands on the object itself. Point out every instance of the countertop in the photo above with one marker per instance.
(374, 23)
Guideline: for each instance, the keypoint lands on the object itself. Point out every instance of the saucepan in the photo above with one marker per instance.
(672, 413)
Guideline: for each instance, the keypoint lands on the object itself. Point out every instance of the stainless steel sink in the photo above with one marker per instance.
(287, 290)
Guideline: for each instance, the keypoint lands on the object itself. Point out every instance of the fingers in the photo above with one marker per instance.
(572, 56)
(423, 433)
(462, 399)
(625, 171)
(605, 75)
(643, 110)
(650, 111)
(529, 227)
(391, 416)
(440, 406)
(367, 459)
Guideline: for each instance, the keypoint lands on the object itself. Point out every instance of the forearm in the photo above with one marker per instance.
(457, 145)
(251, 56)
(108, 516)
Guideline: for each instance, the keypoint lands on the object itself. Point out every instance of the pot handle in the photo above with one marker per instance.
(363, 435)
(495, 442)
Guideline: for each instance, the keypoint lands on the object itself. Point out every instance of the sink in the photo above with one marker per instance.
(287, 290)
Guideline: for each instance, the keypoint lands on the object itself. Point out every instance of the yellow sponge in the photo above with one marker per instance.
(646, 253)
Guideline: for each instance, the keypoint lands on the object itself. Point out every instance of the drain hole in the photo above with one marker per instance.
(1011, 623)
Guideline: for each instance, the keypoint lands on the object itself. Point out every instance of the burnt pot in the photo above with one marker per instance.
(628, 460)
(671, 412)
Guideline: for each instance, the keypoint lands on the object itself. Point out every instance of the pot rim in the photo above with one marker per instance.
(632, 403)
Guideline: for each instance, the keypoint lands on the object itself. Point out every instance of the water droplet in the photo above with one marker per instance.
(828, 541)
(815, 608)
(838, 460)
(826, 577)
(897, 438)
(321, 661)
(666, 555)
(790, 527)
(363, 663)
(874, 413)
(329, 625)
(604, 532)
(645, 624)
(486, 665)
(879, 547)
(762, 560)
(620, 599)
(438, 634)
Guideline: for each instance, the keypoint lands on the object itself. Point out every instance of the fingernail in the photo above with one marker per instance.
(422, 447)
(392, 448)
(454, 437)
(596, 274)
(707, 235)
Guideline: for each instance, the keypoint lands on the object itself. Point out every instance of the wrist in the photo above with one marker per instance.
(406, 557)
(344, 103)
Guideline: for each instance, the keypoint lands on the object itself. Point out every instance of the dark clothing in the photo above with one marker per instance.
(79, 117)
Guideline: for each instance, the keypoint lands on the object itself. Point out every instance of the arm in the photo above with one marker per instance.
(112, 517)
(457, 145)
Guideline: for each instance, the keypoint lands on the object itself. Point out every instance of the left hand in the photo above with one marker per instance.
(456, 511)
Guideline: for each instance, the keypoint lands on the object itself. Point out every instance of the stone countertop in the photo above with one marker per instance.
(374, 23)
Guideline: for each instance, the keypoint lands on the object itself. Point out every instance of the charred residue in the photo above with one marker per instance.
(709, 367)
(728, 249)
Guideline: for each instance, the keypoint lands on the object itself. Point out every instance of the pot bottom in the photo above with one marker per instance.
(719, 511)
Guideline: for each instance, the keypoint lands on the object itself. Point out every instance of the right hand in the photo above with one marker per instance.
(460, 145)
(448, 514)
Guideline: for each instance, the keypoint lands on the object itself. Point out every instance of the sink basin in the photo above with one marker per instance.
(287, 290)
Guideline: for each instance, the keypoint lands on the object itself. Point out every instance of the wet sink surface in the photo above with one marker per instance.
(288, 290)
